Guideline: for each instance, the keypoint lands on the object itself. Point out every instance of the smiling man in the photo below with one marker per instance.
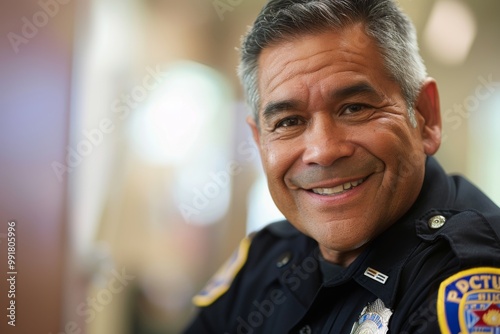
(378, 238)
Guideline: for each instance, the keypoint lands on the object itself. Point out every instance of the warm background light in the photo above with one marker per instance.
(450, 31)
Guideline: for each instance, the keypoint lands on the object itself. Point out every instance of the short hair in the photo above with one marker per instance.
(383, 20)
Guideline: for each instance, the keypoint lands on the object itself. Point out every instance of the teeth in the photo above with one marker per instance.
(338, 189)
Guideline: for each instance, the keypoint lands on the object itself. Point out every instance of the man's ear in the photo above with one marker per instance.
(428, 113)
(255, 130)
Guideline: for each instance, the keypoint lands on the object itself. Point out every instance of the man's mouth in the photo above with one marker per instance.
(338, 189)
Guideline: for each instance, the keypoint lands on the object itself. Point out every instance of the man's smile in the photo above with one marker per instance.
(338, 189)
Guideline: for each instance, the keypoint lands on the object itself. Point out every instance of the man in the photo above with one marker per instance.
(378, 238)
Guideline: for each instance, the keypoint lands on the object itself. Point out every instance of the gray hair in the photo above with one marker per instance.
(391, 29)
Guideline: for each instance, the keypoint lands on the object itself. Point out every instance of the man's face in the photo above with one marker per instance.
(342, 159)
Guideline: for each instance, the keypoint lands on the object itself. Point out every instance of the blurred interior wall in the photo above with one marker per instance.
(35, 83)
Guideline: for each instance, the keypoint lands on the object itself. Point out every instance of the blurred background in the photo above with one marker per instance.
(125, 159)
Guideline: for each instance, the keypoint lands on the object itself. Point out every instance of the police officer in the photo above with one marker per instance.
(378, 239)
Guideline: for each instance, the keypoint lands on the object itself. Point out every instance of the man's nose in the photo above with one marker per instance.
(326, 141)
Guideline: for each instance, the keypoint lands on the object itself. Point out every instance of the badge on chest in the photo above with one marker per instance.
(374, 319)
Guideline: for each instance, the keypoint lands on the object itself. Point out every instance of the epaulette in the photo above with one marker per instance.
(470, 234)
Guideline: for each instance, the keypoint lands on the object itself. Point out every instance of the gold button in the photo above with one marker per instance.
(436, 222)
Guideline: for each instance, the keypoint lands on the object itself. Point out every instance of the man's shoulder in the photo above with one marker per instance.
(474, 236)
(468, 195)
(467, 209)
(251, 264)
(278, 236)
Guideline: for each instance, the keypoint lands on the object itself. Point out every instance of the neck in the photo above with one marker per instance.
(341, 258)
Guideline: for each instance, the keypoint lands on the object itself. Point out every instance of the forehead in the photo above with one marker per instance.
(302, 60)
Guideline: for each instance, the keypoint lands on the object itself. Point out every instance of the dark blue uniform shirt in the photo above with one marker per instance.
(283, 287)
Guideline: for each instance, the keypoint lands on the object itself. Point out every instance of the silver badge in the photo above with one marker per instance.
(373, 320)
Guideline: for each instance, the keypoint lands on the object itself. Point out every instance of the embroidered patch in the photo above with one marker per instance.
(469, 302)
(374, 319)
(223, 278)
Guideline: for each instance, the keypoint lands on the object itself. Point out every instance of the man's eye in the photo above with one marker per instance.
(354, 108)
(289, 121)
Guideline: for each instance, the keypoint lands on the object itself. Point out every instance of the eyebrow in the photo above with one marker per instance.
(273, 108)
(362, 88)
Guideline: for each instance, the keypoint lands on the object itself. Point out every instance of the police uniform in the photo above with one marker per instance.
(436, 270)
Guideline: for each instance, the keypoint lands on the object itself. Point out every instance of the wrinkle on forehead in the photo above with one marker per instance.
(273, 74)
(351, 46)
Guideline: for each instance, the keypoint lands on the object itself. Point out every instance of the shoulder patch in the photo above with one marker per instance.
(469, 302)
(223, 278)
